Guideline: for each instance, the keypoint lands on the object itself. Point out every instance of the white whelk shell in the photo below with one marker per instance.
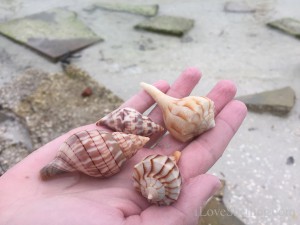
(184, 118)
(158, 179)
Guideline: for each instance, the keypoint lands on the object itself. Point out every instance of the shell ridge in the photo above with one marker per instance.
(160, 184)
(151, 167)
(125, 141)
(171, 188)
(99, 170)
(163, 177)
(68, 162)
(150, 158)
(189, 106)
(159, 172)
(87, 153)
(144, 169)
(137, 179)
(172, 183)
(173, 199)
(75, 135)
(107, 147)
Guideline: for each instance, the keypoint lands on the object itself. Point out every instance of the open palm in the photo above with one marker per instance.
(78, 199)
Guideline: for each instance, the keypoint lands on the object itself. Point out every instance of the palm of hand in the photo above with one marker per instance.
(78, 199)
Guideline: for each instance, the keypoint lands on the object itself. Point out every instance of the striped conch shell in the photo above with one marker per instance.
(95, 153)
(184, 118)
(130, 121)
(158, 179)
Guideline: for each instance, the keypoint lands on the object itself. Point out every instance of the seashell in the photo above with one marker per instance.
(184, 118)
(96, 153)
(130, 121)
(158, 179)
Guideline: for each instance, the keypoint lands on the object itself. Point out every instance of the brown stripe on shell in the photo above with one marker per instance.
(90, 162)
(78, 154)
(107, 157)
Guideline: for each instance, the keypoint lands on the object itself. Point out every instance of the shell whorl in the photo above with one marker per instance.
(130, 121)
(184, 118)
(158, 179)
(95, 153)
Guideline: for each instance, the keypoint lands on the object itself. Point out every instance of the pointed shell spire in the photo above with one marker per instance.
(158, 179)
(184, 118)
(130, 121)
(96, 153)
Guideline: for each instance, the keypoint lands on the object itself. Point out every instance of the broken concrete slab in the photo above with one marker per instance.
(144, 10)
(238, 7)
(53, 33)
(278, 101)
(216, 213)
(288, 25)
(167, 25)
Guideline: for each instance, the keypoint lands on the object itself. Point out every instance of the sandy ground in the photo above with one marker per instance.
(262, 188)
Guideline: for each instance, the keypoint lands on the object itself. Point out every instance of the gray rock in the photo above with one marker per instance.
(288, 25)
(10, 154)
(238, 7)
(53, 33)
(144, 10)
(167, 25)
(278, 102)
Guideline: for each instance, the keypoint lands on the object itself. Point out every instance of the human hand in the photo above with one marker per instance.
(78, 199)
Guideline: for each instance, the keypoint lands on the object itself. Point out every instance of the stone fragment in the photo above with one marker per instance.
(167, 25)
(11, 153)
(144, 10)
(53, 33)
(88, 91)
(216, 213)
(288, 25)
(278, 101)
(238, 7)
(290, 160)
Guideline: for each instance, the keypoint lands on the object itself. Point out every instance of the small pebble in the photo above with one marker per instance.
(87, 92)
(252, 128)
(290, 160)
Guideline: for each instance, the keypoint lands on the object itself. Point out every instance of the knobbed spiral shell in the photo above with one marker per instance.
(130, 121)
(158, 179)
(96, 153)
(184, 118)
